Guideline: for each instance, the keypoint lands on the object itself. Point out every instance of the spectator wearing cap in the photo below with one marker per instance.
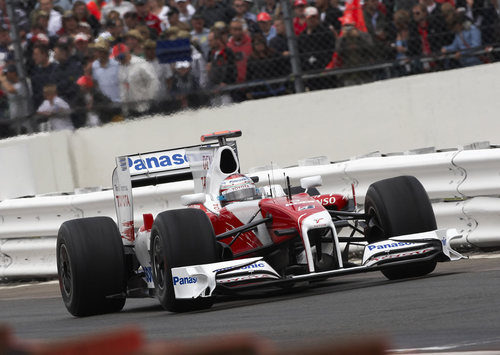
(221, 67)
(185, 88)
(163, 72)
(17, 94)
(134, 41)
(265, 23)
(199, 34)
(139, 84)
(241, 45)
(82, 46)
(54, 17)
(98, 107)
(105, 71)
(329, 15)
(174, 20)
(121, 6)
(82, 14)
(213, 11)
(316, 45)
(248, 19)
(186, 11)
(280, 42)
(158, 8)
(145, 16)
(299, 21)
(42, 72)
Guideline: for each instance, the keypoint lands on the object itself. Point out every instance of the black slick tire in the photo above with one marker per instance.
(91, 266)
(399, 206)
(180, 238)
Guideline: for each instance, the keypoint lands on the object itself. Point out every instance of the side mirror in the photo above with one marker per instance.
(192, 199)
(311, 181)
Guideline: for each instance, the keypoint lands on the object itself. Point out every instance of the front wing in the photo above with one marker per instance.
(202, 280)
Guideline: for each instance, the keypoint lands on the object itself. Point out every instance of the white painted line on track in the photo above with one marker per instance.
(441, 350)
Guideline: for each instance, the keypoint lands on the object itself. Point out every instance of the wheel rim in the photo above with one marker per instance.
(65, 270)
(159, 263)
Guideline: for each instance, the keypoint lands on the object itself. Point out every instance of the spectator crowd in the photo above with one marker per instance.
(92, 62)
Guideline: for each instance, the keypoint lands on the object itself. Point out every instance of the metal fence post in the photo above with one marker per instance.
(292, 46)
(19, 58)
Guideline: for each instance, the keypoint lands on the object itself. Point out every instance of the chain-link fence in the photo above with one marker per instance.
(68, 64)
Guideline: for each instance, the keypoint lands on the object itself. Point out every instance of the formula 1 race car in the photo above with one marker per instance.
(238, 233)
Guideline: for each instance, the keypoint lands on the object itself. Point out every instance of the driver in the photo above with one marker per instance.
(237, 187)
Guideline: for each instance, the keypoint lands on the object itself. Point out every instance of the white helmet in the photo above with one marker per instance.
(237, 187)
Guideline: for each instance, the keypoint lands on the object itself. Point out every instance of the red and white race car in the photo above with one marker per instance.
(234, 236)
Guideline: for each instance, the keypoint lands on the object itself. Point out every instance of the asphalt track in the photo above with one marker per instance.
(455, 308)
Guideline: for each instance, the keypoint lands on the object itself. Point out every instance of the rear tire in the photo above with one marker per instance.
(91, 266)
(180, 238)
(399, 206)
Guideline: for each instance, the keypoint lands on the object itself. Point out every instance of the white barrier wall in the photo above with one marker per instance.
(444, 110)
(463, 186)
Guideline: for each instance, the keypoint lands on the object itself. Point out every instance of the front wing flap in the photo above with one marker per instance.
(201, 280)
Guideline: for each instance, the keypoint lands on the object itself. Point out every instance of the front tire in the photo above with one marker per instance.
(180, 238)
(399, 206)
(91, 266)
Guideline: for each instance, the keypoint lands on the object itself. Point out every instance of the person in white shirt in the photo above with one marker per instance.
(55, 109)
(55, 17)
(139, 83)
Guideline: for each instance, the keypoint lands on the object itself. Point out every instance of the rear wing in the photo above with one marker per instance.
(159, 167)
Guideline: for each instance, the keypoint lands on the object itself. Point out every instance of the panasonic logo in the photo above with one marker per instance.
(184, 280)
(156, 162)
(387, 246)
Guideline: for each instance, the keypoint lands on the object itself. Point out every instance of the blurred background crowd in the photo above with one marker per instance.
(67, 64)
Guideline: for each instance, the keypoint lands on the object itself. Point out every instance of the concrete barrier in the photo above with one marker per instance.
(444, 110)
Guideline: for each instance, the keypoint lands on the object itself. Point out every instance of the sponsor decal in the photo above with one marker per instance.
(400, 255)
(206, 161)
(325, 201)
(308, 207)
(184, 280)
(253, 266)
(148, 274)
(128, 231)
(122, 200)
(317, 220)
(123, 164)
(388, 245)
(159, 161)
(256, 265)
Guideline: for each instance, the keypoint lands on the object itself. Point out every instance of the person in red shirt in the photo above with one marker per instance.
(145, 16)
(241, 44)
(299, 21)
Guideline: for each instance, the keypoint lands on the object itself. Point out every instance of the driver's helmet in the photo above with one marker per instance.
(237, 187)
